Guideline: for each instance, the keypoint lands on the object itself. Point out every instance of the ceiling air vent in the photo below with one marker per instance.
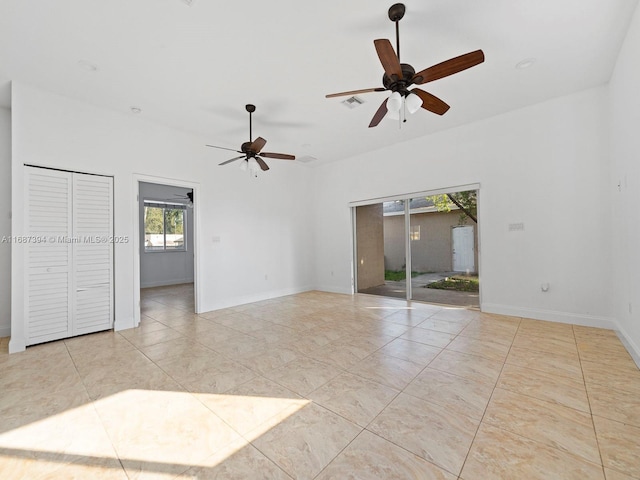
(352, 102)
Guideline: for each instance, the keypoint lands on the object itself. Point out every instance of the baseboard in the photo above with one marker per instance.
(551, 316)
(164, 283)
(630, 345)
(334, 289)
(258, 297)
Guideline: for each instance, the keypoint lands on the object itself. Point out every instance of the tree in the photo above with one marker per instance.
(466, 201)
(153, 220)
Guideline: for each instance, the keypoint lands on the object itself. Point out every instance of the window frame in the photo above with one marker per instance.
(165, 206)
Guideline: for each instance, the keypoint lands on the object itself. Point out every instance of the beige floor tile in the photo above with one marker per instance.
(273, 333)
(23, 406)
(391, 371)
(444, 325)
(491, 331)
(554, 425)
(415, 352)
(355, 398)
(303, 375)
(52, 466)
(570, 392)
(307, 441)
(195, 327)
(498, 454)
(370, 457)
(367, 341)
(429, 337)
(97, 345)
(143, 339)
(237, 346)
(614, 404)
(256, 403)
(410, 318)
(459, 394)
(341, 355)
(540, 328)
(595, 336)
(622, 378)
(472, 367)
(544, 344)
(107, 379)
(457, 314)
(180, 347)
(51, 393)
(552, 363)
(619, 445)
(615, 475)
(240, 460)
(242, 322)
(615, 355)
(481, 347)
(430, 431)
(41, 448)
(164, 433)
(60, 374)
(273, 358)
(213, 374)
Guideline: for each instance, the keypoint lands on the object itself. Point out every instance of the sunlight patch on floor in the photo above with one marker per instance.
(155, 433)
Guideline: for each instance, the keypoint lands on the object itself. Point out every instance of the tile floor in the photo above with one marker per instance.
(322, 386)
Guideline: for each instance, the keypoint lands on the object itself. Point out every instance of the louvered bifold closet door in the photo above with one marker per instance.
(48, 305)
(93, 253)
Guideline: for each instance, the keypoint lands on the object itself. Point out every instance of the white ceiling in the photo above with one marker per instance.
(195, 67)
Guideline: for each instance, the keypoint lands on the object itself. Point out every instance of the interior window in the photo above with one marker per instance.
(164, 226)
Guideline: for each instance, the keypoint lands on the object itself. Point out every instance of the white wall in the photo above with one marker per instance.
(5, 221)
(545, 166)
(254, 234)
(625, 185)
(165, 267)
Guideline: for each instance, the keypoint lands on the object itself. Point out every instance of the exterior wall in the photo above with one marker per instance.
(433, 252)
(370, 238)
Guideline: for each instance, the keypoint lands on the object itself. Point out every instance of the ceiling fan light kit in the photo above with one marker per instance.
(399, 77)
(252, 151)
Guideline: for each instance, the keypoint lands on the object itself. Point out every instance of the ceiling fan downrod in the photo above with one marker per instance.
(396, 12)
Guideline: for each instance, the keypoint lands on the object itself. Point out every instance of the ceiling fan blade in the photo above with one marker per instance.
(223, 148)
(379, 115)
(262, 164)
(281, 156)
(388, 57)
(449, 67)
(431, 102)
(257, 145)
(232, 160)
(355, 92)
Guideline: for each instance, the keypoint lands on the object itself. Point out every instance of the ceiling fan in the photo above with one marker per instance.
(398, 77)
(179, 196)
(251, 149)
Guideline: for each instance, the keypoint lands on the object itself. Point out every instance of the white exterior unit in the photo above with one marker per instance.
(69, 261)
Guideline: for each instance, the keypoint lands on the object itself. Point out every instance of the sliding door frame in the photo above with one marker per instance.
(407, 229)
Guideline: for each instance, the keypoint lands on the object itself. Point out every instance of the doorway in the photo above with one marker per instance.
(430, 238)
(166, 243)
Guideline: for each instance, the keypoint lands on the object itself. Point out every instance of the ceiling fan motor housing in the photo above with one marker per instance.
(246, 147)
(399, 84)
